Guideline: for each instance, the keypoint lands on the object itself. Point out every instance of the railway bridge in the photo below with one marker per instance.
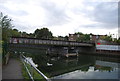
(52, 46)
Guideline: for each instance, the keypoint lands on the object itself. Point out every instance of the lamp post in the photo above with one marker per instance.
(113, 37)
(117, 36)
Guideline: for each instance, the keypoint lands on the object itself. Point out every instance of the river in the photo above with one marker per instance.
(81, 67)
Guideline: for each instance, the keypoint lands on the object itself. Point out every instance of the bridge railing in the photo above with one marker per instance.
(49, 42)
(32, 67)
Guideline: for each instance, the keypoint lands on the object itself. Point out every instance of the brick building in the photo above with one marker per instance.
(73, 37)
(98, 38)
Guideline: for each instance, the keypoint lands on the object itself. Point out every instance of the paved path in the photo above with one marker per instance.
(12, 70)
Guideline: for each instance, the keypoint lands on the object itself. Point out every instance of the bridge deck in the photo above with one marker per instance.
(21, 40)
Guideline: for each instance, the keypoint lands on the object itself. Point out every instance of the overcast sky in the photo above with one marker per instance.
(63, 16)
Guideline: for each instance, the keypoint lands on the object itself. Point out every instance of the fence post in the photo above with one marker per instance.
(31, 71)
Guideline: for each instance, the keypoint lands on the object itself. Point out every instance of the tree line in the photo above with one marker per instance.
(43, 33)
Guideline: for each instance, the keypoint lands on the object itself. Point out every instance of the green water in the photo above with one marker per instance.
(81, 67)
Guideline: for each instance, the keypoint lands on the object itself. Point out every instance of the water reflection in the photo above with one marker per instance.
(90, 74)
(81, 67)
(30, 61)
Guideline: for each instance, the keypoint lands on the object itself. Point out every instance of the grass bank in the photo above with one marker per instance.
(36, 75)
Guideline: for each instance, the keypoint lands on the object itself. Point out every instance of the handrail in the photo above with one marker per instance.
(45, 77)
(28, 71)
(22, 40)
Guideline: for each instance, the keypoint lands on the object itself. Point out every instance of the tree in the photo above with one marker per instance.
(61, 38)
(31, 35)
(66, 38)
(107, 38)
(0, 34)
(87, 37)
(15, 33)
(79, 33)
(82, 37)
(5, 25)
(24, 34)
(43, 33)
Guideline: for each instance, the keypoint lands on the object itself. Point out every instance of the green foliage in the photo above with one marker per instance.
(0, 33)
(31, 35)
(85, 69)
(4, 51)
(118, 41)
(36, 75)
(79, 33)
(24, 34)
(106, 38)
(82, 37)
(103, 68)
(66, 38)
(43, 33)
(60, 38)
(5, 25)
(14, 32)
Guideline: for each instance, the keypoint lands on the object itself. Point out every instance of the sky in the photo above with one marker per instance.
(62, 17)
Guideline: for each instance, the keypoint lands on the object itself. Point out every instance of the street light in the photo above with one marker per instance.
(113, 37)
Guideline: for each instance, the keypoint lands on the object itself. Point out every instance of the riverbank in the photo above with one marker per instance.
(35, 74)
(29, 72)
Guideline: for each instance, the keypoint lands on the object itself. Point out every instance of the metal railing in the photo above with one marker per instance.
(30, 73)
(48, 42)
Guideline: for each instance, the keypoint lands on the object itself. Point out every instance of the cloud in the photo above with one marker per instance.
(62, 16)
(13, 9)
(101, 14)
(107, 14)
(55, 15)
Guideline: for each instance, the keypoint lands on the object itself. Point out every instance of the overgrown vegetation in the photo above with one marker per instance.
(36, 75)
(5, 25)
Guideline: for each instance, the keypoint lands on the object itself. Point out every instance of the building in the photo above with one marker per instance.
(98, 39)
(73, 37)
(93, 38)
